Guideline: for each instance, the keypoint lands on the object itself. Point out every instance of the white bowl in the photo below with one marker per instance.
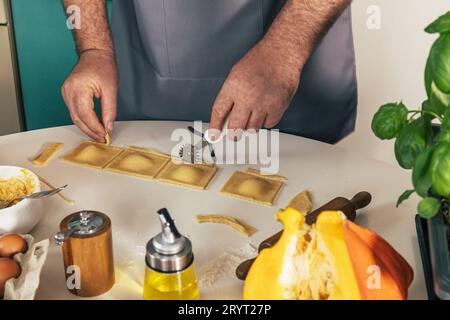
(23, 216)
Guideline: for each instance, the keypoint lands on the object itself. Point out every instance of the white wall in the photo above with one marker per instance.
(390, 63)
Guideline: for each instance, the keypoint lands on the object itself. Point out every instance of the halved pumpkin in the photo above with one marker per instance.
(333, 259)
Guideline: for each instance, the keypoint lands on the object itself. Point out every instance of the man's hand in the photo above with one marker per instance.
(257, 91)
(261, 86)
(95, 75)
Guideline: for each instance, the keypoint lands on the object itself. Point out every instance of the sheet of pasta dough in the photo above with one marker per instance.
(92, 154)
(47, 154)
(138, 162)
(253, 187)
(196, 176)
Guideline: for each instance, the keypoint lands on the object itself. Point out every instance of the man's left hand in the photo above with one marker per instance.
(257, 92)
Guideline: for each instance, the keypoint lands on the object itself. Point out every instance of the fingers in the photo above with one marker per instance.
(109, 109)
(76, 120)
(81, 108)
(256, 121)
(272, 120)
(75, 117)
(85, 108)
(238, 122)
(220, 111)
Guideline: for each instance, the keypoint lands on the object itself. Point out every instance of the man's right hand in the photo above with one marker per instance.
(95, 76)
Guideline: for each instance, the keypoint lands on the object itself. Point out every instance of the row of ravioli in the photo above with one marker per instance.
(150, 164)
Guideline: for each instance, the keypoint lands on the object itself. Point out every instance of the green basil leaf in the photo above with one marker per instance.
(421, 175)
(439, 100)
(404, 196)
(428, 207)
(440, 169)
(440, 62)
(429, 116)
(389, 120)
(411, 141)
(441, 25)
(444, 134)
(428, 77)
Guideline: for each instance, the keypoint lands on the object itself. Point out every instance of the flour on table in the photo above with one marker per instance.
(225, 264)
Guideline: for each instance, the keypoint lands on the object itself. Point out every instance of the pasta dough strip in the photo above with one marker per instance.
(47, 154)
(60, 194)
(107, 138)
(237, 225)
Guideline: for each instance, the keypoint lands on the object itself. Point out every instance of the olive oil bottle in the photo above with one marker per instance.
(169, 272)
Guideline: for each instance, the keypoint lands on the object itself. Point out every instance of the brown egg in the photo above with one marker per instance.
(11, 244)
(8, 269)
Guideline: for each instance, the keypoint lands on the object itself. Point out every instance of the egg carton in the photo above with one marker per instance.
(31, 262)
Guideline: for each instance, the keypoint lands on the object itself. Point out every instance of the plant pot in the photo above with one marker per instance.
(433, 236)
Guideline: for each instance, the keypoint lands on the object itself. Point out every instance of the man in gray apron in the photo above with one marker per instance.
(262, 63)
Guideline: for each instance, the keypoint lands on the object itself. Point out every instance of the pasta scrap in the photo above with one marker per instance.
(234, 223)
(47, 154)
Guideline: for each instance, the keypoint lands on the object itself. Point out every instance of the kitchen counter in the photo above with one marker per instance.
(131, 203)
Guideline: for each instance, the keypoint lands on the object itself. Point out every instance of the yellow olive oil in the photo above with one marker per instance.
(171, 286)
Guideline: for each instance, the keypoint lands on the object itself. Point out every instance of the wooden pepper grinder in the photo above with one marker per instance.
(87, 251)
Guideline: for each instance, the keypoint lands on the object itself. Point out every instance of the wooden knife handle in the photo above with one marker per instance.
(361, 200)
(348, 207)
(243, 269)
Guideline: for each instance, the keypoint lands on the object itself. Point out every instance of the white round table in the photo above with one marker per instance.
(131, 203)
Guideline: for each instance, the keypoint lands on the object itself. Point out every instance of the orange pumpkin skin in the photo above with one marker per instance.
(364, 266)
(369, 249)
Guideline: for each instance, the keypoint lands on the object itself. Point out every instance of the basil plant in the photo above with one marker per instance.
(417, 145)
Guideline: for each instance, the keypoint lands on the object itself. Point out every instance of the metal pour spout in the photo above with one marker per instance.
(169, 231)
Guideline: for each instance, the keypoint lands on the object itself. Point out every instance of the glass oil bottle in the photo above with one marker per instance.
(169, 271)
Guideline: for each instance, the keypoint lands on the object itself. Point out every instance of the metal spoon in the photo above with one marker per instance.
(38, 195)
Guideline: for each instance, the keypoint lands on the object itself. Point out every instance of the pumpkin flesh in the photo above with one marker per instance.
(328, 260)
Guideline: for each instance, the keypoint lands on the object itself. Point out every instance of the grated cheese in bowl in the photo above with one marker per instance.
(17, 186)
(22, 216)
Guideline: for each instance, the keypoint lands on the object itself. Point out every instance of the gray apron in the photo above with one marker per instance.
(174, 56)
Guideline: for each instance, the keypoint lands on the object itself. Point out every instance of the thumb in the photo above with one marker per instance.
(109, 109)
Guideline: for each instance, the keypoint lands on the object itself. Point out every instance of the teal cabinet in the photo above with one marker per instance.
(46, 55)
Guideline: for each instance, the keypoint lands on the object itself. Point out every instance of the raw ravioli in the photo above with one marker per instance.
(254, 187)
(195, 176)
(139, 162)
(92, 154)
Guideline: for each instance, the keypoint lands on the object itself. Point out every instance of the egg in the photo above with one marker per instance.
(11, 244)
(8, 269)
